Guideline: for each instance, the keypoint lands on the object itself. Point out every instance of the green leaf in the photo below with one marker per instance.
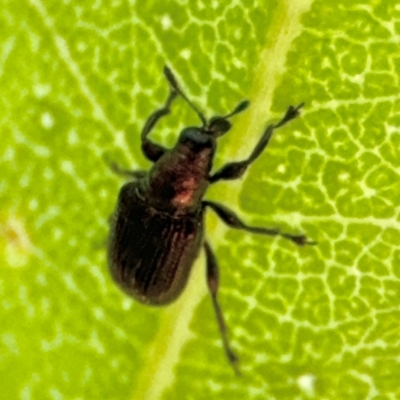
(79, 80)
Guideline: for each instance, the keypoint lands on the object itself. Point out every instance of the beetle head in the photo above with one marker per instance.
(200, 138)
(218, 126)
(195, 138)
(214, 128)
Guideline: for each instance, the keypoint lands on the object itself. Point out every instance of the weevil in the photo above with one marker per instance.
(157, 229)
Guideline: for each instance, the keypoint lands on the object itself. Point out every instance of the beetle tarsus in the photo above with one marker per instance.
(118, 170)
(234, 362)
(171, 78)
(300, 240)
(291, 113)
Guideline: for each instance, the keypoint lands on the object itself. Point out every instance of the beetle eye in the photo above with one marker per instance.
(218, 126)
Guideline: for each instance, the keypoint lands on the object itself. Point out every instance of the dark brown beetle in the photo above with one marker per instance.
(158, 227)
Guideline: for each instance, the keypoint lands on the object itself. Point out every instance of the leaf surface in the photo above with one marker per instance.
(79, 80)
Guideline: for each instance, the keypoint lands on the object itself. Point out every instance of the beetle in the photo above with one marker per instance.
(157, 229)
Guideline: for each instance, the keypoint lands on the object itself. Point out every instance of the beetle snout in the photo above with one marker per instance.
(218, 126)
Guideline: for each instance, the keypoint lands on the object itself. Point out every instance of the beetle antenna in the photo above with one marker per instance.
(173, 82)
(239, 108)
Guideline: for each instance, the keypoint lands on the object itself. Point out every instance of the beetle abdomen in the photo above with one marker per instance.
(151, 253)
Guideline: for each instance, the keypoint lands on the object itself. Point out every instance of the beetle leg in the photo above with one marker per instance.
(235, 170)
(213, 284)
(122, 171)
(231, 219)
(151, 150)
(126, 172)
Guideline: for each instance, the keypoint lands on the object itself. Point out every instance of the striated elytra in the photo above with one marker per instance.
(157, 229)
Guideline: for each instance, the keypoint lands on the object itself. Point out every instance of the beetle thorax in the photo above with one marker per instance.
(179, 179)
